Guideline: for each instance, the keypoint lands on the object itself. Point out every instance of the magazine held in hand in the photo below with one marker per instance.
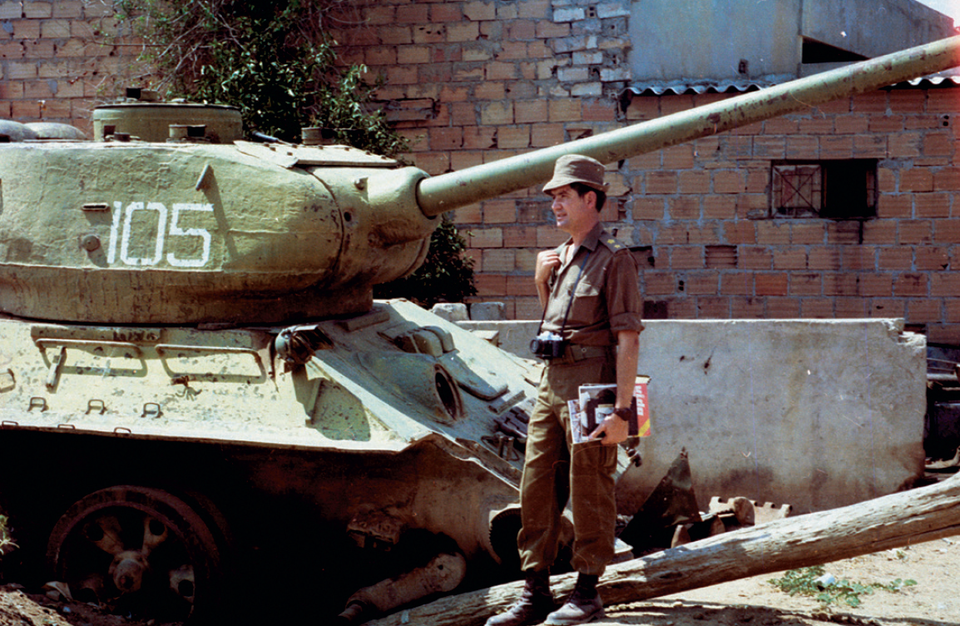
(596, 403)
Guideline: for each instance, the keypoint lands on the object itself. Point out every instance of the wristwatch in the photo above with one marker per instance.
(625, 414)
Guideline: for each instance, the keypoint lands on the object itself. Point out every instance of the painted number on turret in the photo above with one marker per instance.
(152, 235)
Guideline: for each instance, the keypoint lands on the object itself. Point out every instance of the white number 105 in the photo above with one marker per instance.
(175, 231)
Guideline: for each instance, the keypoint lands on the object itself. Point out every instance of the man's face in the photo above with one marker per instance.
(575, 214)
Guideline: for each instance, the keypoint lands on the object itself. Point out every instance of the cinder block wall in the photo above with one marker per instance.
(58, 58)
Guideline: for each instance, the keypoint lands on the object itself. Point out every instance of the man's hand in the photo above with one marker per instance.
(612, 430)
(547, 261)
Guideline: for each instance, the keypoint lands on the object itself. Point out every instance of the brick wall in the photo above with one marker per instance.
(59, 58)
(475, 81)
(471, 81)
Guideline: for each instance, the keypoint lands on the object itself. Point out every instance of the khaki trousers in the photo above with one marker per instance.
(552, 475)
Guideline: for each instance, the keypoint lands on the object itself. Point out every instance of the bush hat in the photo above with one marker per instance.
(576, 168)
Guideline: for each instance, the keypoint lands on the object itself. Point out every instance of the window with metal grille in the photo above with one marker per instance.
(829, 189)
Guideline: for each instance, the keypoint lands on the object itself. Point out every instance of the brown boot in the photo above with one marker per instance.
(534, 605)
(583, 605)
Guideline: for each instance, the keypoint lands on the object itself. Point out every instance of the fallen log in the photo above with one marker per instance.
(892, 521)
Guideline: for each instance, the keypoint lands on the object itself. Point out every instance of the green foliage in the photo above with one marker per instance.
(446, 276)
(269, 58)
(807, 582)
(6, 542)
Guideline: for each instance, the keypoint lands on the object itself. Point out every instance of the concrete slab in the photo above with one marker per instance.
(812, 413)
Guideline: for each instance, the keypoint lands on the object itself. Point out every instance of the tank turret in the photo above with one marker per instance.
(191, 231)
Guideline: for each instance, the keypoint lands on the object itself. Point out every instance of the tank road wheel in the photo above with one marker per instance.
(137, 550)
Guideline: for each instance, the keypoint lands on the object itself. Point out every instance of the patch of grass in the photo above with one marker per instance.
(6, 543)
(810, 582)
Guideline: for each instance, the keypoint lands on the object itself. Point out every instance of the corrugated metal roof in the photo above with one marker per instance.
(658, 88)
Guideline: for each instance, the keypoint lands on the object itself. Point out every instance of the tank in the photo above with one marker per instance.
(200, 398)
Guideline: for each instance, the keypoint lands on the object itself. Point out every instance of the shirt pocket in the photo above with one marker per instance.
(587, 304)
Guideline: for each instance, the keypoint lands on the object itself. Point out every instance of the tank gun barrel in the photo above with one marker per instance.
(450, 191)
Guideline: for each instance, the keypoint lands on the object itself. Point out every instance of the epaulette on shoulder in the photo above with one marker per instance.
(612, 243)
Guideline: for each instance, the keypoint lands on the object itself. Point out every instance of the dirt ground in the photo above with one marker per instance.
(933, 601)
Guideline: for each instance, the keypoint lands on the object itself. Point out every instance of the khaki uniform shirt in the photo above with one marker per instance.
(606, 298)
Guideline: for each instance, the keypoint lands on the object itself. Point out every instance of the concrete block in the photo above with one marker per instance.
(816, 414)
(451, 311)
(487, 312)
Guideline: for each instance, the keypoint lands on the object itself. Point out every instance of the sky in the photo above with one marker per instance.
(947, 7)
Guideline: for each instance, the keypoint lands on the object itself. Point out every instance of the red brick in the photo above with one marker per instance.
(773, 232)
(932, 204)
(802, 147)
(485, 238)
(856, 258)
(896, 258)
(880, 232)
(905, 145)
(850, 124)
(646, 208)
(808, 232)
(491, 284)
(874, 285)
(702, 283)
(816, 308)
(728, 182)
(741, 232)
(850, 307)
(924, 311)
(746, 308)
(684, 208)
(678, 157)
(686, 257)
(907, 101)
(783, 308)
(870, 146)
(930, 258)
(723, 208)
(847, 284)
(941, 101)
(945, 284)
(790, 258)
(889, 206)
(713, 307)
(939, 144)
(916, 179)
(871, 102)
(545, 135)
(887, 308)
(520, 286)
(916, 231)
(565, 110)
(755, 258)
(739, 284)
(769, 147)
(518, 236)
(499, 211)
(694, 181)
(836, 147)
(445, 13)
(661, 183)
(886, 124)
(659, 283)
(802, 284)
(946, 231)
(823, 258)
(816, 126)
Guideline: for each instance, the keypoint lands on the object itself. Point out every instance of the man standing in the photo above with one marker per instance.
(588, 288)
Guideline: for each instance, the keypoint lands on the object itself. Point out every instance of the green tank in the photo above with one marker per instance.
(199, 397)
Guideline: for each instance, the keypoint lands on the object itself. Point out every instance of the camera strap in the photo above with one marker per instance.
(573, 292)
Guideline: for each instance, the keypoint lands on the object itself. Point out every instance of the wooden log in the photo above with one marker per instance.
(892, 521)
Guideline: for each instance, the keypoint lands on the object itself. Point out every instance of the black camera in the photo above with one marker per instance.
(548, 345)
